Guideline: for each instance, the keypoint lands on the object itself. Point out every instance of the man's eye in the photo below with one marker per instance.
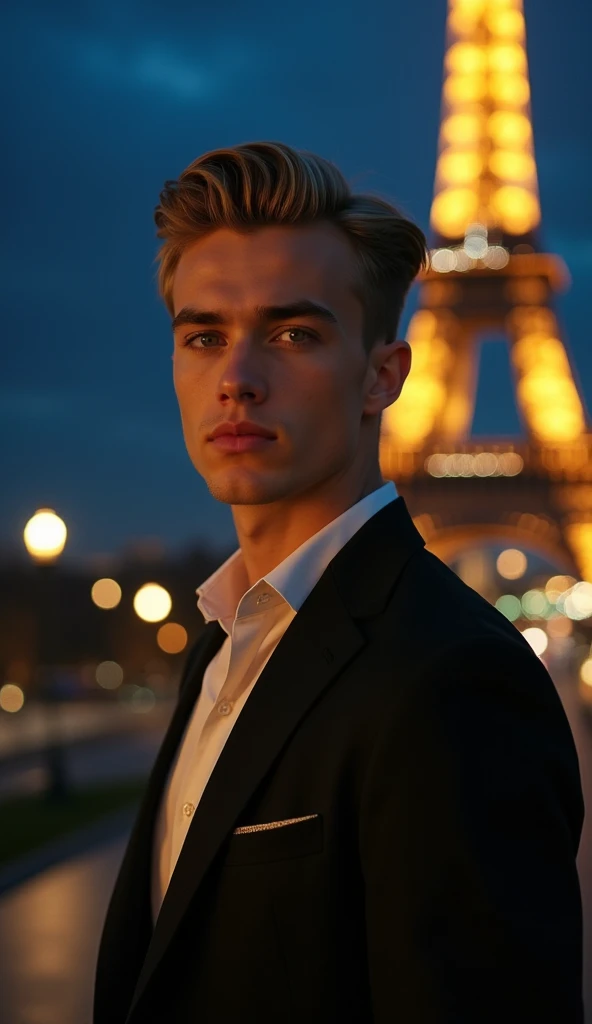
(297, 337)
(202, 334)
(308, 336)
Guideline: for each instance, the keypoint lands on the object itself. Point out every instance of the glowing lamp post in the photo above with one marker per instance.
(45, 538)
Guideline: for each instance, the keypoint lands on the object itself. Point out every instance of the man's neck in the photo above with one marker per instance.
(267, 534)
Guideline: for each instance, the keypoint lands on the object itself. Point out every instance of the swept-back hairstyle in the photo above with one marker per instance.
(262, 183)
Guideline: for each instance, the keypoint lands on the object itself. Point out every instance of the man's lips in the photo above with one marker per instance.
(241, 442)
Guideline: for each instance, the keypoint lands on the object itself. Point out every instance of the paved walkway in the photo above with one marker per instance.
(50, 926)
(49, 938)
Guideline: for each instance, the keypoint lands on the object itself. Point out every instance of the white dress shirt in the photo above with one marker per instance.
(255, 620)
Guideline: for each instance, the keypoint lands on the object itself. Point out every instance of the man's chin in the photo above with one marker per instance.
(245, 491)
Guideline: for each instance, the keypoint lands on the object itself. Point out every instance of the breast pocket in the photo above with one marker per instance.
(276, 840)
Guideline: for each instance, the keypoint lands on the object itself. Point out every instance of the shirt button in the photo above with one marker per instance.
(263, 598)
(188, 809)
(224, 707)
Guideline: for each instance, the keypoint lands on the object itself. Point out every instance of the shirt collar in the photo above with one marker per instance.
(226, 592)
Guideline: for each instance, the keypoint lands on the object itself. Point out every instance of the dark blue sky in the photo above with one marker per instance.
(103, 103)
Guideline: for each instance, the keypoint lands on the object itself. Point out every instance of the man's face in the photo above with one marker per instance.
(302, 377)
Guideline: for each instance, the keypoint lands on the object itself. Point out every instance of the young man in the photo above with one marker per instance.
(367, 806)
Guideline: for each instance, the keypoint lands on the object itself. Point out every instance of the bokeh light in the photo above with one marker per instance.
(152, 603)
(106, 593)
(537, 638)
(557, 585)
(12, 697)
(577, 602)
(509, 605)
(559, 627)
(45, 535)
(172, 637)
(511, 564)
(535, 604)
(109, 675)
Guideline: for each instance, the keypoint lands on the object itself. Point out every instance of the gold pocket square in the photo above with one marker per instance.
(271, 824)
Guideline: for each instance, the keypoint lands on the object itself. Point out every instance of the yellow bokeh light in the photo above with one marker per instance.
(506, 24)
(152, 603)
(466, 59)
(106, 593)
(423, 324)
(172, 638)
(511, 564)
(541, 352)
(586, 671)
(45, 535)
(579, 536)
(463, 129)
(453, 209)
(509, 129)
(12, 697)
(509, 90)
(516, 209)
(507, 58)
(542, 388)
(512, 165)
(465, 89)
(459, 167)
(557, 425)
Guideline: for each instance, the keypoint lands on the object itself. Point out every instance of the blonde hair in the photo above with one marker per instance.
(261, 183)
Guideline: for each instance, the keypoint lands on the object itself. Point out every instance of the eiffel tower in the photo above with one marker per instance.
(488, 273)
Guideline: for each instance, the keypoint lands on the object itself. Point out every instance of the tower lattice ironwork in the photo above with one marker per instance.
(488, 273)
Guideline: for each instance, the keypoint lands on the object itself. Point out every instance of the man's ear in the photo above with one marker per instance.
(392, 363)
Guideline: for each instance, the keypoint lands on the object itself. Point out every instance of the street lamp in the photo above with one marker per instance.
(45, 538)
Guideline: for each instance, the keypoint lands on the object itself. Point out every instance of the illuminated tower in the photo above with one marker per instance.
(488, 273)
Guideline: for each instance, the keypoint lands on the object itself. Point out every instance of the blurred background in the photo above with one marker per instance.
(471, 117)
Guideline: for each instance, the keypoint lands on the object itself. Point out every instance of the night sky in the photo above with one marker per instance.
(104, 103)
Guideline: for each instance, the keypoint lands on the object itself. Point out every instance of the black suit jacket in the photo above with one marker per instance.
(432, 876)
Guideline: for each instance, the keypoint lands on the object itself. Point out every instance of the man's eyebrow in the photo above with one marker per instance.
(292, 310)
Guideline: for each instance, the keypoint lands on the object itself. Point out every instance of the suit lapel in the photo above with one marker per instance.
(321, 639)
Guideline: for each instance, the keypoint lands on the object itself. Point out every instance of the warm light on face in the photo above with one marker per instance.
(312, 391)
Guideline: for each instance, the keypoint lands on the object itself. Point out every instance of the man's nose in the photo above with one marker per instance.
(242, 373)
